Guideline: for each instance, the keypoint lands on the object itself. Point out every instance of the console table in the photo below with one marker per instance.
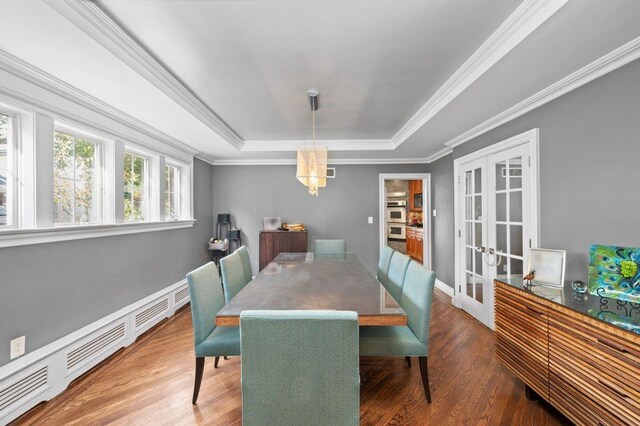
(272, 243)
(580, 353)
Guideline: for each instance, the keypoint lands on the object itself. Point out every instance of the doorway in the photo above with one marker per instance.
(496, 208)
(405, 225)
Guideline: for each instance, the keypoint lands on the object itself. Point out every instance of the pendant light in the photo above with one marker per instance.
(312, 160)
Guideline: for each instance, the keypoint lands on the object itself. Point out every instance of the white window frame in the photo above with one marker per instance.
(148, 173)
(185, 188)
(99, 143)
(176, 190)
(13, 148)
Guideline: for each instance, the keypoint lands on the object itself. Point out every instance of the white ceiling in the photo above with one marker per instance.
(249, 63)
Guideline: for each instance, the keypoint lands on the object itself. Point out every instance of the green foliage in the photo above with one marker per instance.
(134, 175)
(74, 170)
(4, 128)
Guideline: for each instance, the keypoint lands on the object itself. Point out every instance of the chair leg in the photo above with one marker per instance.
(408, 360)
(199, 371)
(215, 363)
(424, 371)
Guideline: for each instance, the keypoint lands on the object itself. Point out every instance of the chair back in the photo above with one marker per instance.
(233, 275)
(397, 270)
(205, 293)
(246, 263)
(330, 246)
(300, 368)
(417, 294)
(383, 264)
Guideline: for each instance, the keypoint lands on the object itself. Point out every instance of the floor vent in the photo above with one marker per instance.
(94, 347)
(151, 312)
(24, 387)
(180, 295)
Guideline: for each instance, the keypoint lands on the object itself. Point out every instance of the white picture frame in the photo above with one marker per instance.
(548, 265)
(271, 223)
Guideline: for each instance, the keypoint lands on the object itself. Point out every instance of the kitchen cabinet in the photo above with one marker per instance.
(272, 243)
(414, 243)
(586, 368)
(415, 187)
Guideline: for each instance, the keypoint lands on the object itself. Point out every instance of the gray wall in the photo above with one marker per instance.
(589, 173)
(340, 211)
(50, 290)
(443, 224)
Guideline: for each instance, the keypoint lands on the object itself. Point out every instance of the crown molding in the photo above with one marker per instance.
(439, 154)
(90, 18)
(336, 161)
(604, 65)
(48, 82)
(522, 22)
(332, 145)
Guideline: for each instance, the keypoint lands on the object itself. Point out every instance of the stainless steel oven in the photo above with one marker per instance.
(396, 215)
(396, 231)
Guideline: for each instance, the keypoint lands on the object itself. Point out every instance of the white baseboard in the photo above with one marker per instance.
(446, 289)
(47, 371)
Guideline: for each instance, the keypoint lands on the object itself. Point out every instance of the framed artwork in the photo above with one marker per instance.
(271, 223)
(548, 266)
(614, 272)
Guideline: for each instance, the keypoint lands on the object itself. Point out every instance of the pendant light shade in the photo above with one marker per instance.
(312, 160)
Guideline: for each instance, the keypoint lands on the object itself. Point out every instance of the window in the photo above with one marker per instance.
(76, 180)
(136, 194)
(6, 171)
(172, 196)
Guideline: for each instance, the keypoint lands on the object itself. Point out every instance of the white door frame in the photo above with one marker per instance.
(530, 138)
(426, 210)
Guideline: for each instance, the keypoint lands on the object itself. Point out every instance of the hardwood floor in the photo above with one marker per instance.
(151, 382)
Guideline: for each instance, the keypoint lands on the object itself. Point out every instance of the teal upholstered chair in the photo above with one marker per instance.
(233, 275)
(397, 270)
(330, 246)
(300, 368)
(383, 265)
(246, 263)
(412, 339)
(206, 298)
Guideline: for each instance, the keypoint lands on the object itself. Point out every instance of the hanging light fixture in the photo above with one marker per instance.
(312, 160)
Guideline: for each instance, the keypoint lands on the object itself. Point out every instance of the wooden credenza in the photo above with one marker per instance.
(585, 367)
(272, 243)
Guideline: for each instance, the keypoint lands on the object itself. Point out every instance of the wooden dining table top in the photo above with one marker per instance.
(308, 281)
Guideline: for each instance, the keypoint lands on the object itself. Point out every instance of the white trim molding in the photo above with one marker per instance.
(520, 24)
(336, 161)
(21, 237)
(445, 288)
(611, 61)
(94, 21)
(54, 366)
(332, 145)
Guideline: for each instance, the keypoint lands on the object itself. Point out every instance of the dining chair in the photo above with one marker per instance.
(246, 263)
(413, 338)
(383, 265)
(300, 368)
(206, 298)
(233, 275)
(330, 246)
(397, 270)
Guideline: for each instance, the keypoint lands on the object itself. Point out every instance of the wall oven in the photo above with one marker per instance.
(397, 215)
(396, 231)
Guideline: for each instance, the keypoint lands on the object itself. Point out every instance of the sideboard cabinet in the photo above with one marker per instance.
(577, 352)
(272, 243)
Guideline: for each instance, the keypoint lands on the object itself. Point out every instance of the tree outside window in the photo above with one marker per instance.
(172, 193)
(4, 168)
(135, 193)
(75, 183)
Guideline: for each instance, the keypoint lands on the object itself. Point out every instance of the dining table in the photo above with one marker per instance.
(312, 281)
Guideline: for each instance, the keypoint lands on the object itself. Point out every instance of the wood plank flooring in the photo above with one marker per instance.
(151, 381)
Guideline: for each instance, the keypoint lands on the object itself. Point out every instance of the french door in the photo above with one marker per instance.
(496, 220)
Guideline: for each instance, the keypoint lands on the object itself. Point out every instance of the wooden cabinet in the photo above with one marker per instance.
(587, 369)
(414, 243)
(272, 243)
(415, 187)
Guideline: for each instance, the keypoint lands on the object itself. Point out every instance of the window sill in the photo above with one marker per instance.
(21, 237)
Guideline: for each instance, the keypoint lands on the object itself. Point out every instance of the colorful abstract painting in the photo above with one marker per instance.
(614, 272)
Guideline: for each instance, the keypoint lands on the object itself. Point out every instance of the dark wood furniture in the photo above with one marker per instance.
(320, 281)
(415, 187)
(567, 350)
(272, 243)
(414, 242)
